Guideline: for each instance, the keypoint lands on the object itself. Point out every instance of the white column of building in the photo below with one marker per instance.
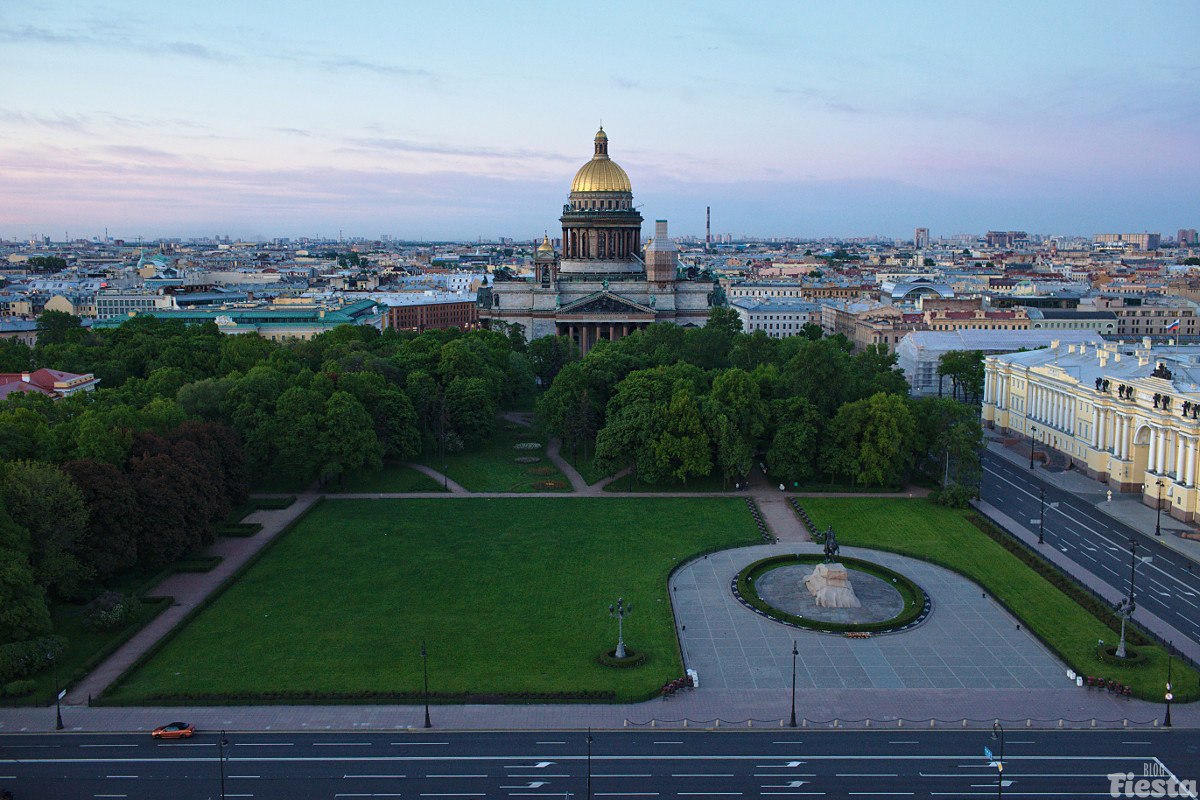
(1055, 409)
(1071, 414)
(1189, 466)
(1105, 436)
(1123, 439)
(1152, 462)
(1162, 452)
(1041, 404)
(1179, 449)
(1096, 416)
(1035, 402)
(1062, 410)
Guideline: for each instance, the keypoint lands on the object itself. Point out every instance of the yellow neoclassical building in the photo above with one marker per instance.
(1127, 414)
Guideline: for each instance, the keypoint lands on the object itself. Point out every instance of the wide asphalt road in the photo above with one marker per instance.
(643, 763)
(1166, 585)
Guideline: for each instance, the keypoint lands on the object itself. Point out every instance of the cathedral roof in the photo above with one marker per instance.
(601, 174)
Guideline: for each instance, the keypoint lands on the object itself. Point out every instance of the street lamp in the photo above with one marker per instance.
(58, 723)
(620, 611)
(1169, 696)
(1158, 509)
(425, 669)
(1032, 443)
(589, 764)
(221, 745)
(1127, 606)
(998, 733)
(1042, 519)
(795, 653)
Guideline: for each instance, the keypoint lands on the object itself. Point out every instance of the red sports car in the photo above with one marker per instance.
(174, 730)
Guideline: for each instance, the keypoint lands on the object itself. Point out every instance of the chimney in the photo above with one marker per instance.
(1054, 344)
(1146, 343)
(1103, 358)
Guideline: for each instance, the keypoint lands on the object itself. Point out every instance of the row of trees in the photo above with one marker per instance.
(674, 404)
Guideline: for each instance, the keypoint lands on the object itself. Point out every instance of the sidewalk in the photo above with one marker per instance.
(1125, 508)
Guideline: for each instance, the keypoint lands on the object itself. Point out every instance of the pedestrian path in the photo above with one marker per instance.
(189, 590)
(444, 480)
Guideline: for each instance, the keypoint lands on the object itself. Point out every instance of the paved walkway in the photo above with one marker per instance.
(781, 520)
(455, 488)
(967, 642)
(188, 590)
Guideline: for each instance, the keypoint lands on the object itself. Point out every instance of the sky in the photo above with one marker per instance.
(457, 120)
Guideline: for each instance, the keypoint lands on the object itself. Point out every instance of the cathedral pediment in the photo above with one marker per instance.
(605, 303)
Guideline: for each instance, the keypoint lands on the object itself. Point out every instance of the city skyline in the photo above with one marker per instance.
(457, 122)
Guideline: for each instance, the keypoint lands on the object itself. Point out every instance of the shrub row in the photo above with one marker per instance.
(239, 529)
(632, 658)
(197, 564)
(19, 688)
(1068, 586)
(22, 659)
(758, 520)
(333, 698)
(915, 600)
(806, 520)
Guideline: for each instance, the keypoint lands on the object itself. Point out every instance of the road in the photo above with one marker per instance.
(1167, 584)
(644, 763)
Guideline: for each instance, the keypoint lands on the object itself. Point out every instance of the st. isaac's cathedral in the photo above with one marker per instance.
(605, 283)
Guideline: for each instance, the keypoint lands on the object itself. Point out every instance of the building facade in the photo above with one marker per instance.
(604, 284)
(432, 313)
(776, 317)
(1126, 414)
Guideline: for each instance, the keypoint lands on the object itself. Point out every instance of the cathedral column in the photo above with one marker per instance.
(1190, 463)
(1152, 463)
(1178, 459)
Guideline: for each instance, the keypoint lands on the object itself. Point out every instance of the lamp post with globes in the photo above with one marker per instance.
(1032, 443)
(58, 723)
(425, 670)
(998, 733)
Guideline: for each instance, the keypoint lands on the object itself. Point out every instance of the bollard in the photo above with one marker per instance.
(1028, 723)
(804, 722)
(931, 722)
(749, 723)
(652, 723)
(868, 723)
(1060, 722)
(1155, 723)
(685, 722)
(717, 724)
(781, 723)
(626, 725)
(900, 723)
(964, 722)
(1124, 723)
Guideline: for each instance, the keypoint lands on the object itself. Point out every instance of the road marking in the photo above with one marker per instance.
(435, 794)
(120, 776)
(867, 775)
(244, 776)
(702, 775)
(187, 744)
(341, 744)
(624, 775)
(785, 775)
(551, 742)
(710, 794)
(417, 744)
(882, 794)
(108, 745)
(372, 776)
(264, 744)
(795, 742)
(904, 742)
(110, 795)
(625, 794)
(454, 776)
(668, 742)
(1135, 743)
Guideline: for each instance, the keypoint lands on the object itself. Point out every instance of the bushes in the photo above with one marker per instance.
(110, 610)
(953, 496)
(22, 659)
(332, 698)
(239, 529)
(18, 688)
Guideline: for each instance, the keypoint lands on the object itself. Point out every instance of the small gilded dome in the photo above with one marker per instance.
(545, 246)
(601, 174)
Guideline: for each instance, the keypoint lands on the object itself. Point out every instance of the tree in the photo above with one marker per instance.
(549, 355)
(470, 409)
(683, 446)
(948, 440)
(348, 440)
(795, 445)
(872, 440)
(24, 433)
(108, 544)
(812, 331)
(59, 327)
(966, 372)
(734, 453)
(23, 612)
(580, 424)
(44, 501)
(166, 529)
(15, 356)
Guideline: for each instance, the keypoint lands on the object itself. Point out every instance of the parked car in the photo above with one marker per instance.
(174, 730)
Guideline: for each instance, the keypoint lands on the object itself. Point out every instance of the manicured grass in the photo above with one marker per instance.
(928, 531)
(511, 596)
(493, 468)
(392, 478)
(585, 465)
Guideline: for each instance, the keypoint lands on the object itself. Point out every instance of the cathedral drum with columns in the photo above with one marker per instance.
(605, 284)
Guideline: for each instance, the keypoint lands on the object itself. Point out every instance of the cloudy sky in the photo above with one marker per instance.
(461, 119)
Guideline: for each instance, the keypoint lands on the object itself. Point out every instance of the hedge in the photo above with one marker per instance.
(916, 602)
(239, 529)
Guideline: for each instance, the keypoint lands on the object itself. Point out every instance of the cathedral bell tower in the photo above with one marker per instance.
(600, 227)
(661, 256)
(545, 263)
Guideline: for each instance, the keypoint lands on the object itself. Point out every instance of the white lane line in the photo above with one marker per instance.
(668, 742)
(904, 742)
(624, 794)
(551, 742)
(372, 776)
(108, 745)
(188, 744)
(621, 775)
(794, 742)
(882, 794)
(417, 744)
(702, 775)
(120, 776)
(244, 776)
(710, 794)
(457, 776)
(264, 744)
(1135, 743)
(341, 744)
(784, 775)
(435, 794)
(867, 775)
(110, 795)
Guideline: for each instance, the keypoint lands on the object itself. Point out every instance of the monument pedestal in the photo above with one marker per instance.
(831, 588)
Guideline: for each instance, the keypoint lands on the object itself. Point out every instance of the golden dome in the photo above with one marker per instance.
(545, 245)
(601, 174)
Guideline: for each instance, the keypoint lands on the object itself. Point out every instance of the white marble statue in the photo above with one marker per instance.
(830, 587)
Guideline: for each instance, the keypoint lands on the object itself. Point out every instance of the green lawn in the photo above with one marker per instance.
(928, 531)
(511, 595)
(392, 478)
(585, 465)
(493, 467)
(705, 483)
